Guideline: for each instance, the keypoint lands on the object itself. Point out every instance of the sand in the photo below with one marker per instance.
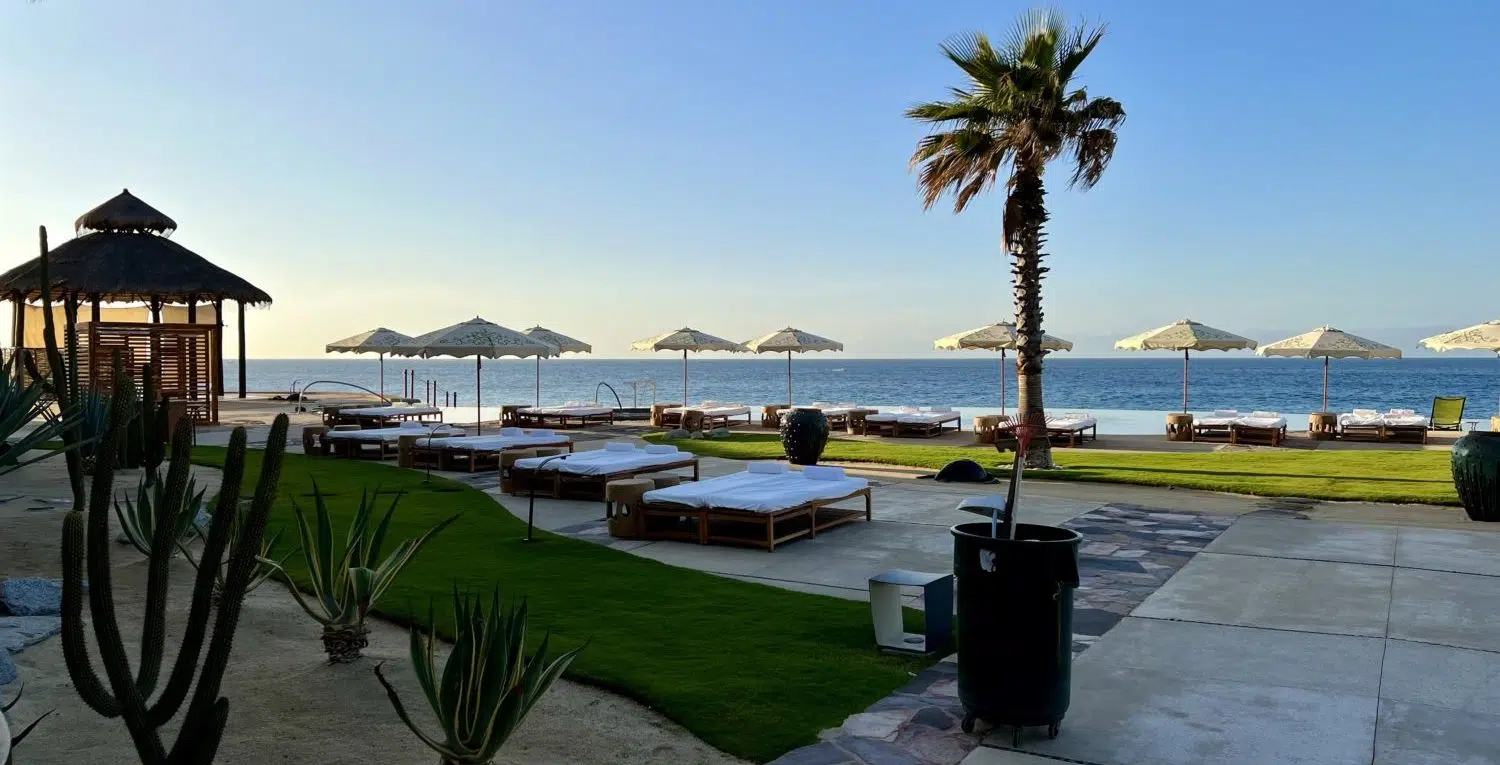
(287, 705)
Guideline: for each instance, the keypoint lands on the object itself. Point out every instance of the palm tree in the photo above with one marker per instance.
(1018, 111)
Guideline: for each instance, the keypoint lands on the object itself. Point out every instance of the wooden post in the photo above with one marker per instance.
(242, 347)
(218, 353)
(94, 310)
(20, 321)
(155, 310)
(192, 309)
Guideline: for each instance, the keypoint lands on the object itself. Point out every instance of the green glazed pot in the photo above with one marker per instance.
(1476, 474)
(804, 433)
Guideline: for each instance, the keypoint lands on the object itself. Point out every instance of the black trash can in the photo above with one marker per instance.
(1015, 624)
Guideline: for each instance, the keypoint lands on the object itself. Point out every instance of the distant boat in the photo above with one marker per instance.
(840, 369)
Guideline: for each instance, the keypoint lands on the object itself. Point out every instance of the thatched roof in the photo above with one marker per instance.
(121, 262)
(125, 213)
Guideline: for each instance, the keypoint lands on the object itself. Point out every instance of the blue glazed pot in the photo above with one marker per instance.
(1476, 474)
(804, 433)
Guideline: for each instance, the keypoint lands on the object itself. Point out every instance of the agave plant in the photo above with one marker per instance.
(488, 684)
(22, 402)
(263, 568)
(152, 507)
(7, 742)
(347, 583)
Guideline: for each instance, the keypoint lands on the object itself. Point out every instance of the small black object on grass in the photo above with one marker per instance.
(964, 471)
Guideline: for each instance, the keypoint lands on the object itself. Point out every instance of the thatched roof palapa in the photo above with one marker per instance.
(125, 258)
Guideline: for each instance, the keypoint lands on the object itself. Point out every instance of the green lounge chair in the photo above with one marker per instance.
(1447, 413)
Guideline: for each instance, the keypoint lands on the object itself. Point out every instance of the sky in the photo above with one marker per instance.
(616, 170)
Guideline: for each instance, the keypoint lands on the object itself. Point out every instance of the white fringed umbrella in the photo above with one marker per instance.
(561, 342)
(1000, 337)
(1329, 343)
(480, 339)
(687, 339)
(1480, 337)
(1185, 335)
(789, 341)
(379, 340)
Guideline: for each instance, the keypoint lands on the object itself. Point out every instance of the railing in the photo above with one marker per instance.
(301, 395)
(618, 403)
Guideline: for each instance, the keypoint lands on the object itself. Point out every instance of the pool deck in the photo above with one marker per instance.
(1209, 627)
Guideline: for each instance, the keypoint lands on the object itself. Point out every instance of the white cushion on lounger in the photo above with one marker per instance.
(1400, 412)
(766, 468)
(1361, 418)
(392, 411)
(781, 493)
(495, 443)
(883, 417)
(725, 411)
(1072, 421)
(823, 473)
(926, 418)
(512, 432)
(1365, 413)
(1265, 415)
(1226, 413)
(389, 434)
(1262, 422)
(1405, 420)
(1217, 422)
(661, 449)
(700, 493)
(618, 446)
(602, 461)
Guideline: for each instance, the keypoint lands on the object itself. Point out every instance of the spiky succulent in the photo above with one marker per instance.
(8, 743)
(347, 582)
(488, 684)
(263, 561)
(152, 507)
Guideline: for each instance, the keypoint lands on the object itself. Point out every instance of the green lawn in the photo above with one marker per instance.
(1377, 476)
(753, 670)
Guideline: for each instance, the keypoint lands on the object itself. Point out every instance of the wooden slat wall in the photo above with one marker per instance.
(180, 354)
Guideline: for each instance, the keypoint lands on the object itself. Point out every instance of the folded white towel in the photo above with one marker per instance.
(1076, 415)
(618, 446)
(823, 473)
(512, 432)
(1402, 411)
(766, 468)
(1226, 413)
(1366, 413)
(538, 432)
(847, 405)
(1265, 415)
(661, 449)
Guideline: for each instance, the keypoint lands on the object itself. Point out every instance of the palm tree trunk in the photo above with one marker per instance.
(1025, 215)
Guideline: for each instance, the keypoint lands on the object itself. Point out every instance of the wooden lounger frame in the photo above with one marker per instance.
(371, 422)
(896, 429)
(806, 520)
(455, 459)
(560, 484)
(1249, 434)
(710, 421)
(1410, 434)
(563, 420)
(1073, 436)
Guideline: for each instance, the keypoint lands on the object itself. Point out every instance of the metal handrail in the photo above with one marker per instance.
(618, 403)
(302, 394)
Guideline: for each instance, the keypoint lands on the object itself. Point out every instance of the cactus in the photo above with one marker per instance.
(146, 435)
(264, 567)
(63, 368)
(128, 695)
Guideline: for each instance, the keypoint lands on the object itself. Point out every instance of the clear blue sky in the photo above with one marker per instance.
(613, 170)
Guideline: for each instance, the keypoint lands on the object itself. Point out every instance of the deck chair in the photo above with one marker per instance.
(1447, 413)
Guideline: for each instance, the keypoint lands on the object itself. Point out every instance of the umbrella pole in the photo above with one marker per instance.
(478, 419)
(1002, 381)
(382, 375)
(538, 381)
(684, 378)
(788, 378)
(1325, 383)
(1184, 380)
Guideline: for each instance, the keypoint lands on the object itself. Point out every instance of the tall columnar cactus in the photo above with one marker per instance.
(86, 542)
(146, 434)
(64, 373)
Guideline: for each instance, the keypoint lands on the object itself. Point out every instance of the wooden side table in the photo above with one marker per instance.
(855, 425)
(770, 415)
(620, 501)
(659, 414)
(1180, 426)
(987, 427)
(510, 415)
(1323, 426)
(313, 442)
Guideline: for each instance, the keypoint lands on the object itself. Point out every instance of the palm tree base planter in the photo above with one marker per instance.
(345, 644)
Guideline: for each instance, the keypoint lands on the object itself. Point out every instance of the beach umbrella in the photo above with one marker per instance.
(480, 339)
(1480, 337)
(789, 341)
(1186, 336)
(1329, 343)
(1000, 337)
(561, 342)
(378, 340)
(687, 339)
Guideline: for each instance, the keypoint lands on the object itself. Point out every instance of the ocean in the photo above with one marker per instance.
(1128, 395)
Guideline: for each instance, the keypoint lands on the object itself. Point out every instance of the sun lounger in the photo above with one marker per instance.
(762, 507)
(385, 416)
(573, 413)
(1215, 426)
(586, 472)
(1072, 428)
(715, 414)
(924, 422)
(473, 453)
(1405, 425)
(1395, 425)
(1268, 428)
(837, 414)
(384, 441)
